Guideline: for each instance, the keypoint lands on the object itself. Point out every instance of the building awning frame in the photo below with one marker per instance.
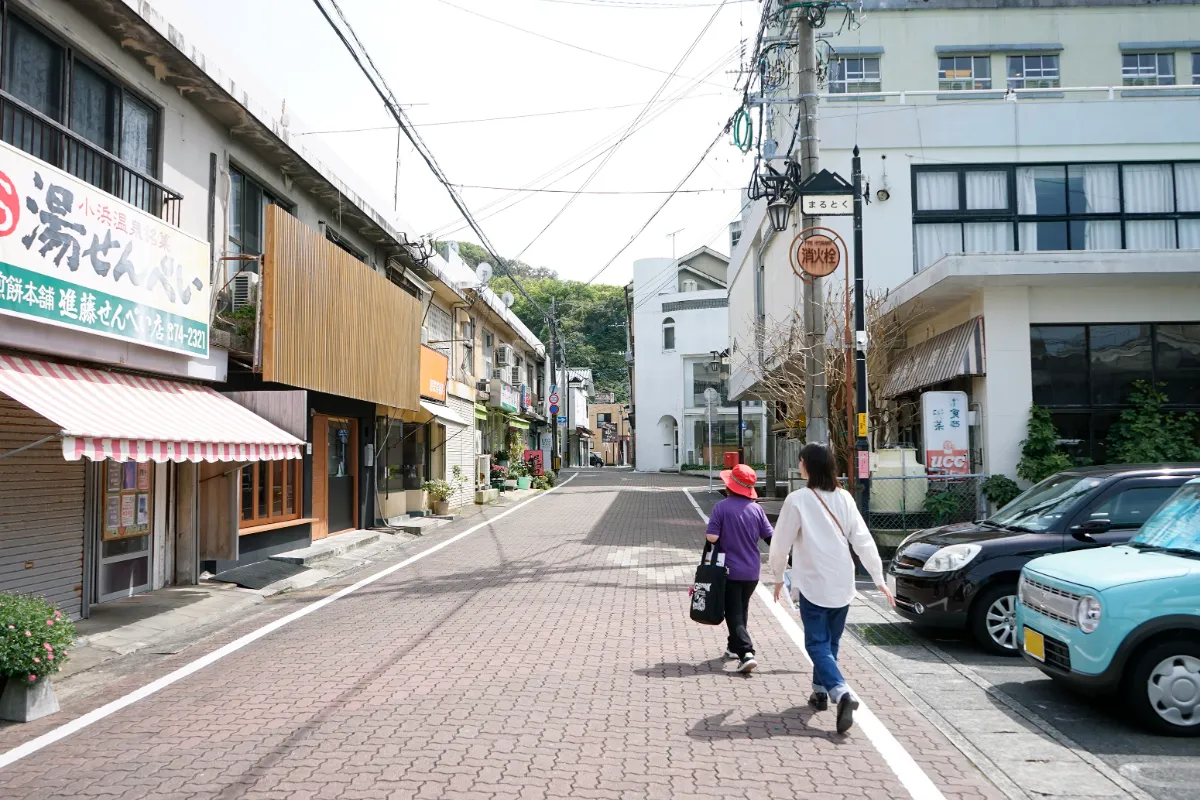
(955, 353)
(125, 417)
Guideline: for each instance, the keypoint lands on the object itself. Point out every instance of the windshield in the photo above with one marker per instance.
(1045, 504)
(1176, 526)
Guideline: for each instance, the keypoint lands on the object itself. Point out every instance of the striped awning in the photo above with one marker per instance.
(955, 353)
(134, 418)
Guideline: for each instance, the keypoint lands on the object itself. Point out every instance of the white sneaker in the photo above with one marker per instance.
(731, 656)
(748, 664)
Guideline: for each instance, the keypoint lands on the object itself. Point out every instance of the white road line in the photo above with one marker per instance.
(76, 725)
(910, 774)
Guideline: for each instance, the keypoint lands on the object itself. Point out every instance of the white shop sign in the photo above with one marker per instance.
(945, 433)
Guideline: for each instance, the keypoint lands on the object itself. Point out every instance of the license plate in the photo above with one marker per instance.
(1035, 644)
(891, 584)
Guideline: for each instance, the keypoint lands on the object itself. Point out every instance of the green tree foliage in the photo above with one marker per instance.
(1040, 456)
(1148, 434)
(591, 316)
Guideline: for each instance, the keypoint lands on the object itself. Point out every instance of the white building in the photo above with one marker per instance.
(681, 316)
(1034, 224)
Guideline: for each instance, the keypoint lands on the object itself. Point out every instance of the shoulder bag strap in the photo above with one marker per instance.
(836, 521)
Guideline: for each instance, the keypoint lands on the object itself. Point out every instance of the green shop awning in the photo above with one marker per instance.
(519, 424)
(480, 411)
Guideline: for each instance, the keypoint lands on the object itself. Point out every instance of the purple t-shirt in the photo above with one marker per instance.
(740, 523)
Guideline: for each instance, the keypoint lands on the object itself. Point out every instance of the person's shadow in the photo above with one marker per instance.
(714, 666)
(790, 722)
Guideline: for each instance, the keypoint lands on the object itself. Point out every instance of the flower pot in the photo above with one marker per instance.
(23, 701)
(523, 483)
(441, 507)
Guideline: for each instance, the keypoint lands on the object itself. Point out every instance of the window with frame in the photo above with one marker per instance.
(248, 201)
(1148, 69)
(854, 76)
(604, 419)
(1033, 72)
(1053, 207)
(489, 344)
(468, 343)
(344, 245)
(1084, 374)
(60, 86)
(272, 492)
(962, 73)
(668, 335)
(1196, 69)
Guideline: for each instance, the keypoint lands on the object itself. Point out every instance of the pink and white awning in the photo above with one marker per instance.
(134, 418)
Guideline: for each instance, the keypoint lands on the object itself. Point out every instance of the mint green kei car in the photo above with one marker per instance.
(1124, 619)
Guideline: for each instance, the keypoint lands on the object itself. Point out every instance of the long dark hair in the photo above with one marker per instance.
(821, 467)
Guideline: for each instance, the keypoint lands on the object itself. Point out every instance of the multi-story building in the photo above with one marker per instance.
(1034, 184)
(610, 432)
(164, 235)
(681, 315)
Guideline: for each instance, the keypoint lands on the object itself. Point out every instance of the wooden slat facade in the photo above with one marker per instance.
(332, 324)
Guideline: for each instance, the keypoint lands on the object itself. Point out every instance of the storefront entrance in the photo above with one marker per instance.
(335, 475)
(123, 566)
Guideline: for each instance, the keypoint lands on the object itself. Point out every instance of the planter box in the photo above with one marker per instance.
(23, 701)
(485, 496)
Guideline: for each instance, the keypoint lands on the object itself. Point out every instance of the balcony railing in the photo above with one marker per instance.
(35, 133)
(1017, 95)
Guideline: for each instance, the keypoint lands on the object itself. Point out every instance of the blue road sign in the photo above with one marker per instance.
(554, 409)
(562, 420)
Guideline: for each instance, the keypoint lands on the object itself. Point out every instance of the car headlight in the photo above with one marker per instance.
(1087, 613)
(1021, 590)
(951, 558)
(908, 539)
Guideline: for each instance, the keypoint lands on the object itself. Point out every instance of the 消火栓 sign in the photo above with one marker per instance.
(74, 256)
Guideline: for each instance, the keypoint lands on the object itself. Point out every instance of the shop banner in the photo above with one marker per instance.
(945, 433)
(74, 256)
(434, 366)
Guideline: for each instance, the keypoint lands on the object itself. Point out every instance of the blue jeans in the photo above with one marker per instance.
(822, 634)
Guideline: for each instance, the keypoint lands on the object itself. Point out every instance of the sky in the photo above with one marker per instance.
(449, 65)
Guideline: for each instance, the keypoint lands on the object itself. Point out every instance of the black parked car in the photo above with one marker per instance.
(965, 575)
(596, 460)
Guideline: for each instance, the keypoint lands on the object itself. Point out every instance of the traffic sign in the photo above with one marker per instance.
(554, 398)
(562, 420)
(554, 409)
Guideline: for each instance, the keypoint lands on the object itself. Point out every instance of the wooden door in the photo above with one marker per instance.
(320, 477)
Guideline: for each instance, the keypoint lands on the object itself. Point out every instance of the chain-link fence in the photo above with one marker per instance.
(903, 504)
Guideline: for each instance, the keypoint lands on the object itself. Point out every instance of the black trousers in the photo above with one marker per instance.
(737, 609)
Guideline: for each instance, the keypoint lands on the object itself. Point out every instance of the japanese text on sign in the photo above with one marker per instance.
(945, 432)
(816, 205)
(73, 256)
(814, 254)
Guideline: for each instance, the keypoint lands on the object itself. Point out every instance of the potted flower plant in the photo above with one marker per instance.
(499, 476)
(520, 471)
(34, 640)
(439, 492)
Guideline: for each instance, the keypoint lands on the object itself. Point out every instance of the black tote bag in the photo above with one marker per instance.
(708, 590)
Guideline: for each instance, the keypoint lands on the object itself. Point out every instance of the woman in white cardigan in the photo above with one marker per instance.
(819, 525)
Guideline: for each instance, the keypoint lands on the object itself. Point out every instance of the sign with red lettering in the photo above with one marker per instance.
(945, 433)
(814, 255)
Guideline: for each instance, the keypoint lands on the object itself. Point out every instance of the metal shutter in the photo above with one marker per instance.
(41, 511)
(460, 451)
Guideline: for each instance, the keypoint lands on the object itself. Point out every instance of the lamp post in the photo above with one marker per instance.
(862, 443)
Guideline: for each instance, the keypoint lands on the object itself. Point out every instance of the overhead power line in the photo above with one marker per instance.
(379, 84)
(632, 127)
(645, 5)
(581, 48)
(595, 192)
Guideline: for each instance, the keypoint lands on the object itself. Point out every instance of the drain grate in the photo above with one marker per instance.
(882, 633)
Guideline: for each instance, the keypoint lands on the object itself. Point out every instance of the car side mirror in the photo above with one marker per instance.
(1085, 532)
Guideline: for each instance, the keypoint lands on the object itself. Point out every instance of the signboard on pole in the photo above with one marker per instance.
(945, 433)
(76, 257)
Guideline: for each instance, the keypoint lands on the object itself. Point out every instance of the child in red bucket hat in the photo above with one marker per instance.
(736, 525)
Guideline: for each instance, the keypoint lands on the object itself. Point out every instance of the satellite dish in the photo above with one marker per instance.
(484, 272)
(508, 298)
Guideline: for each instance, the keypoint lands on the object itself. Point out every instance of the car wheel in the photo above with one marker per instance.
(1163, 688)
(994, 619)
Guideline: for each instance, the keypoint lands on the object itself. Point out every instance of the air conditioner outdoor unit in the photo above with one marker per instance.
(504, 356)
(500, 374)
(516, 376)
(245, 289)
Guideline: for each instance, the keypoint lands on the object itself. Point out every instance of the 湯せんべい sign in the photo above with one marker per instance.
(74, 256)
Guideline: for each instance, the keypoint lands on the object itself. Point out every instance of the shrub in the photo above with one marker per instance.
(1147, 434)
(34, 637)
(518, 469)
(1040, 456)
(941, 505)
(1000, 490)
(551, 477)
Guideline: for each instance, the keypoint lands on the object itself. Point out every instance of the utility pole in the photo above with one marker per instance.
(816, 402)
(862, 444)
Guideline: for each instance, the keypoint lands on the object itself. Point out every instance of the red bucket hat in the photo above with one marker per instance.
(741, 480)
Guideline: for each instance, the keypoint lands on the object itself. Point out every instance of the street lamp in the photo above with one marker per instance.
(779, 209)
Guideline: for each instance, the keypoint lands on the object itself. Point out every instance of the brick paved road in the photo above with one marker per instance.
(546, 655)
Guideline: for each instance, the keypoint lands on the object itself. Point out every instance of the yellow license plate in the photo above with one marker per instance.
(1035, 644)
